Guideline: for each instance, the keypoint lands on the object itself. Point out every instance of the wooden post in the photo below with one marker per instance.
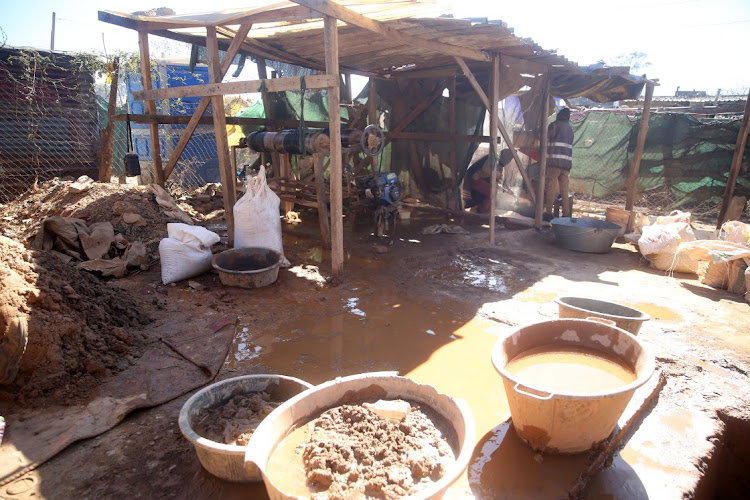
(635, 162)
(220, 130)
(285, 172)
(372, 116)
(268, 111)
(483, 97)
(150, 106)
(542, 152)
(334, 119)
(318, 170)
(494, 153)
(348, 88)
(108, 137)
(452, 127)
(734, 169)
(205, 101)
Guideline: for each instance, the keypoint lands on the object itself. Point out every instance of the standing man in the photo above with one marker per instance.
(559, 163)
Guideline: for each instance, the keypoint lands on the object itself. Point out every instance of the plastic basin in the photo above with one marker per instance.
(585, 235)
(563, 422)
(247, 267)
(356, 389)
(624, 317)
(227, 461)
(618, 216)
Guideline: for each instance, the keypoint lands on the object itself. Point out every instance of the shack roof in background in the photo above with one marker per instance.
(385, 39)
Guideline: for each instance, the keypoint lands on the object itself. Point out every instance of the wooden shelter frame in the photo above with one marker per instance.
(299, 12)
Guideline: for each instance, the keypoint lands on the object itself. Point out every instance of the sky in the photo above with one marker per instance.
(693, 44)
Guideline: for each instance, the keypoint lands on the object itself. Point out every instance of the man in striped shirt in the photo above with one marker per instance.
(559, 163)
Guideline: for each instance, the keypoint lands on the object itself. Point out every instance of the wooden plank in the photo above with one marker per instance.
(544, 140)
(150, 106)
(483, 97)
(734, 169)
(243, 87)
(203, 104)
(494, 153)
(635, 162)
(207, 120)
(220, 130)
(334, 117)
(285, 168)
(350, 17)
(322, 202)
(105, 164)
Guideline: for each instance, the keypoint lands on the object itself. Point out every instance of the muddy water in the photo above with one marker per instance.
(569, 370)
(655, 311)
(286, 467)
(378, 331)
(365, 330)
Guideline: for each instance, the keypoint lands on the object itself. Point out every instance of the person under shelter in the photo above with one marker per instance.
(559, 164)
(479, 176)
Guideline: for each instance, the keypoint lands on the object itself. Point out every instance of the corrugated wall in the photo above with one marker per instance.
(48, 119)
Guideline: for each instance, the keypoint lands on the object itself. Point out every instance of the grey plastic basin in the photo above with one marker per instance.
(585, 235)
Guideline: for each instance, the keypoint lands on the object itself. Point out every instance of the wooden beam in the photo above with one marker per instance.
(244, 87)
(207, 120)
(350, 17)
(108, 137)
(204, 102)
(334, 117)
(220, 130)
(734, 169)
(452, 127)
(322, 202)
(483, 97)
(150, 106)
(494, 153)
(372, 116)
(635, 162)
(543, 141)
(268, 112)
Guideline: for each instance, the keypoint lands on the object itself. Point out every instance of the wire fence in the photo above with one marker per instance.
(48, 118)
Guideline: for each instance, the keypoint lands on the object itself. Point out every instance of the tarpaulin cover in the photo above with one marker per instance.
(686, 155)
(598, 83)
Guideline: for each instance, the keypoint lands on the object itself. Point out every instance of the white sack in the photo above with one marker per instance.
(256, 217)
(186, 252)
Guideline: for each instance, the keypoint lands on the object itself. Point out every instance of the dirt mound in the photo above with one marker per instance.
(22, 217)
(80, 330)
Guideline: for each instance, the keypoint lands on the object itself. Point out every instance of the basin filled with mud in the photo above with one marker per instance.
(220, 419)
(569, 380)
(372, 435)
(248, 267)
(624, 317)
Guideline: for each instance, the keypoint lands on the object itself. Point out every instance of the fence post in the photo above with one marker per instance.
(635, 163)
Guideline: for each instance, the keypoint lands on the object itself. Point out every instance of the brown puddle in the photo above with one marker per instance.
(381, 332)
(503, 466)
(656, 312)
(537, 296)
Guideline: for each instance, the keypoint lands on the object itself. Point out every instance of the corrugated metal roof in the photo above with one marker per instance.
(402, 38)
(279, 33)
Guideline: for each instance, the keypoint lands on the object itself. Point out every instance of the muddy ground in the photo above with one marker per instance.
(431, 308)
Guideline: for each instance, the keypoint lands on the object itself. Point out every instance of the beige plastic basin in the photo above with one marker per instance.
(227, 461)
(568, 422)
(356, 389)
